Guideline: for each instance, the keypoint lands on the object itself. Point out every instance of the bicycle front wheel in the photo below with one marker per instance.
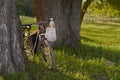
(48, 55)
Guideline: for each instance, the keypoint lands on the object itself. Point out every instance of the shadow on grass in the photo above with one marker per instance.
(80, 64)
(87, 52)
(38, 71)
(70, 67)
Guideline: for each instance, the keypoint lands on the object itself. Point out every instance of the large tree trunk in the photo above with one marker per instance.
(67, 18)
(12, 57)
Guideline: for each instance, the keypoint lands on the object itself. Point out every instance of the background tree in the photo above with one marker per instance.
(85, 5)
(67, 18)
(25, 7)
(104, 8)
(115, 3)
(12, 57)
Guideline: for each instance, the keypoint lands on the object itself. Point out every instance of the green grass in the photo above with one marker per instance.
(97, 58)
(29, 20)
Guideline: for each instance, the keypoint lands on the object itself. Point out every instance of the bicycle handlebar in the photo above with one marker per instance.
(45, 21)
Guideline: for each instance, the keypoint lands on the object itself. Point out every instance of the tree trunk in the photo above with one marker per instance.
(67, 18)
(12, 57)
(85, 5)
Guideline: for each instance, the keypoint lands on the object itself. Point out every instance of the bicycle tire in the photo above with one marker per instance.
(48, 55)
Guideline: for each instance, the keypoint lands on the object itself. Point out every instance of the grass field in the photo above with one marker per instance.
(97, 58)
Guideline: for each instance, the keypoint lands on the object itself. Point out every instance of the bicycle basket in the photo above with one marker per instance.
(50, 34)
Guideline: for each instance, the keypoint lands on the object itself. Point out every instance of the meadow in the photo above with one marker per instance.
(97, 58)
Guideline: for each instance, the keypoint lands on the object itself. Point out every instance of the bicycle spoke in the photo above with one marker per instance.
(50, 62)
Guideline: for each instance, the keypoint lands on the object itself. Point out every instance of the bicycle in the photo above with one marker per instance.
(39, 38)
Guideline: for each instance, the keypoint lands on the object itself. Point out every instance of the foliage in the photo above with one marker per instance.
(25, 7)
(104, 8)
(115, 3)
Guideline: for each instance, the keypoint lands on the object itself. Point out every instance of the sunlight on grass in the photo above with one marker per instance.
(105, 35)
(1, 78)
(27, 20)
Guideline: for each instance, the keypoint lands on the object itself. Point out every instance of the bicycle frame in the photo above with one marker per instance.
(44, 44)
(40, 36)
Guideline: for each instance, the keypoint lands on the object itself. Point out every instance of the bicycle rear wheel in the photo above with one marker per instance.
(48, 55)
(28, 46)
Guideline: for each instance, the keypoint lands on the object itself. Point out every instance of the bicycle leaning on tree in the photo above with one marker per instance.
(42, 38)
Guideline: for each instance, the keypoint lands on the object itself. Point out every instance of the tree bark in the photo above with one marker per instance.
(12, 57)
(67, 18)
(39, 10)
